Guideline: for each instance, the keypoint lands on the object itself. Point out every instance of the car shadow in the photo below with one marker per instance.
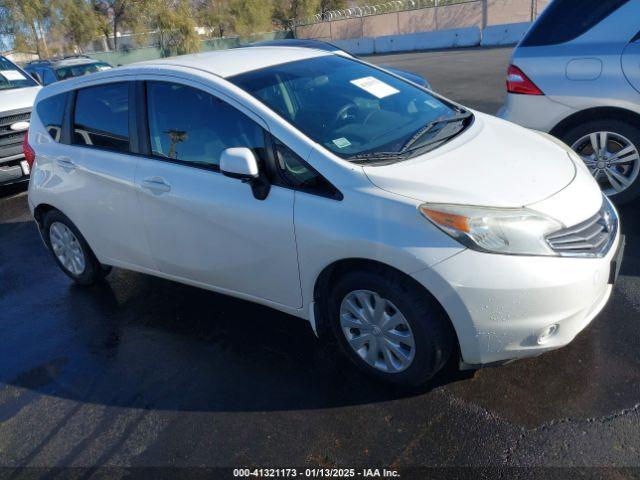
(630, 220)
(143, 342)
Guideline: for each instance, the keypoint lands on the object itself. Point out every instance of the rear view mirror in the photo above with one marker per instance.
(239, 163)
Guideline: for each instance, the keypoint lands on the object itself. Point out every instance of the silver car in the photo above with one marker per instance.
(576, 75)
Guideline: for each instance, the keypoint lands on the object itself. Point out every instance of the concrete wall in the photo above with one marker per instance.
(474, 13)
(413, 21)
(508, 11)
(350, 28)
(459, 16)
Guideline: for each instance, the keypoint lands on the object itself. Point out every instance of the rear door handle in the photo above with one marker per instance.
(66, 163)
(155, 185)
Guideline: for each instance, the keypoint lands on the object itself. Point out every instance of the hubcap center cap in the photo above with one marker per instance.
(600, 164)
(376, 330)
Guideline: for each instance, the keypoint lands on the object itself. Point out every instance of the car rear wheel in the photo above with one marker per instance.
(70, 250)
(390, 327)
(611, 151)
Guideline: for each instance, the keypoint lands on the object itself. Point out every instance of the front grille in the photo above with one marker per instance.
(10, 141)
(593, 237)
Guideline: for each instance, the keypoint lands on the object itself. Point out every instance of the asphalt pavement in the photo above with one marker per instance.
(139, 371)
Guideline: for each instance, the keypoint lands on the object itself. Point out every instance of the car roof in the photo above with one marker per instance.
(227, 63)
(298, 42)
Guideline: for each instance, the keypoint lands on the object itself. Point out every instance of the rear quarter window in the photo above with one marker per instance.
(565, 20)
(51, 114)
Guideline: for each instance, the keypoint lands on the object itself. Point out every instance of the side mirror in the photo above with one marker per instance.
(241, 163)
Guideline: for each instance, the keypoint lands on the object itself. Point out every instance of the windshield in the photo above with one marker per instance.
(350, 108)
(12, 77)
(64, 73)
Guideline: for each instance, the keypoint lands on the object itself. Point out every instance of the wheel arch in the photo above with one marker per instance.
(39, 213)
(41, 210)
(596, 113)
(332, 272)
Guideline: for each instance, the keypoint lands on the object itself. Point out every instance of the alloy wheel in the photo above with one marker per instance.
(612, 159)
(67, 248)
(377, 331)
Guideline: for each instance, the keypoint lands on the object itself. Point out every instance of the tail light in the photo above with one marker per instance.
(518, 82)
(29, 153)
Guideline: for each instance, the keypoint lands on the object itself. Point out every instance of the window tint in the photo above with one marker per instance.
(299, 174)
(192, 126)
(51, 111)
(102, 117)
(565, 20)
(12, 77)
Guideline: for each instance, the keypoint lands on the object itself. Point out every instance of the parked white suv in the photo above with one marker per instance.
(407, 226)
(17, 94)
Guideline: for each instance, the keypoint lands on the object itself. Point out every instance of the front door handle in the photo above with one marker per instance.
(65, 163)
(156, 185)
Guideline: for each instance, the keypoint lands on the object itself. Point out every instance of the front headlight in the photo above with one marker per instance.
(516, 231)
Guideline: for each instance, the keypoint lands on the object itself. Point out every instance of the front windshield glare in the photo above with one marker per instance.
(348, 107)
(12, 77)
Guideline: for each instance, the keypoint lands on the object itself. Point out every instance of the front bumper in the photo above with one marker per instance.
(501, 304)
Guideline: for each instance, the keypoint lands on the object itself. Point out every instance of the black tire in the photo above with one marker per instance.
(433, 333)
(627, 130)
(93, 271)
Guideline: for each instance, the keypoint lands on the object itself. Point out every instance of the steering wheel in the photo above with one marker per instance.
(349, 111)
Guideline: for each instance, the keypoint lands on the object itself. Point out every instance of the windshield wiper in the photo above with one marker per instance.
(429, 127)
(382, 158)
(376, 157)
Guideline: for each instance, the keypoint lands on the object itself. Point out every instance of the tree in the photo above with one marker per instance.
(28, 19)
(118, 15)
(173, 23)
(78, 22)
(252, 16)
(216, 16)
(291, 9)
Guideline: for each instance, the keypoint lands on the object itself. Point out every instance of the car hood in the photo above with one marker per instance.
(18, 98)
(493, 163)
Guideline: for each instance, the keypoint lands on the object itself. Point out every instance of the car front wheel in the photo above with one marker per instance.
(390, 327)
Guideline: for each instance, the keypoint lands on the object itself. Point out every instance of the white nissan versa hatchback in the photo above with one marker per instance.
(407, 226)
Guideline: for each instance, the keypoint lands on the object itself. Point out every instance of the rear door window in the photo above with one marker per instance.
(51, 112)
(101, 117)
(565, 20)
